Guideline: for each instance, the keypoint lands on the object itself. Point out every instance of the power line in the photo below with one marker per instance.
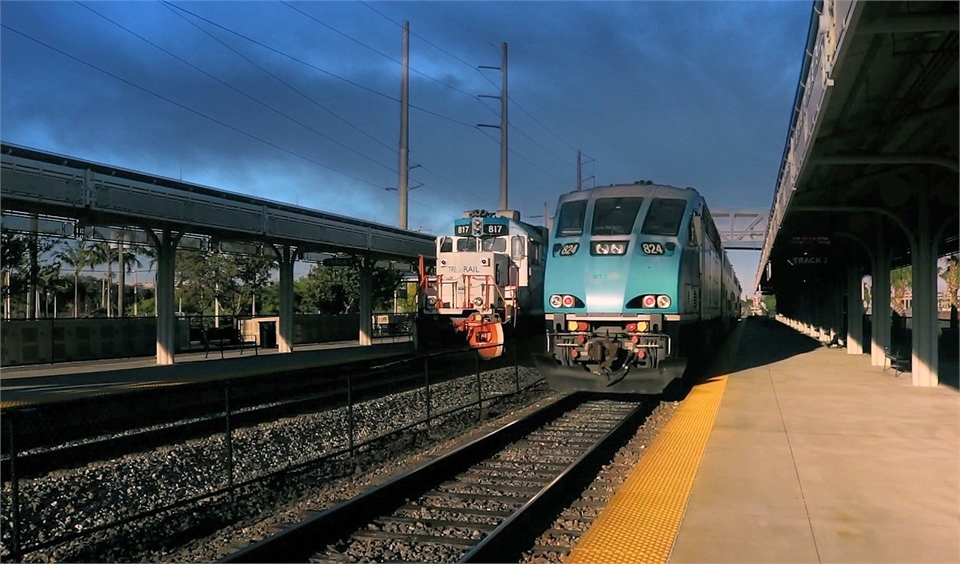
(495, 140)
(174, 9)
(238, 91)
(522, 109)
(186, 108)
(318, 69)
(485, 77)
(434, 45)
(171, 7)
(381, 53)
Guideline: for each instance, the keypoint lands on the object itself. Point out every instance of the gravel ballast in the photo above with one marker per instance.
(79, 499)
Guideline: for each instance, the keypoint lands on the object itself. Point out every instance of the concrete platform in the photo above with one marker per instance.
(43, 382)
(816, 456)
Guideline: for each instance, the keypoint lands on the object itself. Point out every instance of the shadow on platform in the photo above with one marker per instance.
(765, 341)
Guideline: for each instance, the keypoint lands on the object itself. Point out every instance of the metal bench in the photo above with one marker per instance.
(898, 359)
(226, 338)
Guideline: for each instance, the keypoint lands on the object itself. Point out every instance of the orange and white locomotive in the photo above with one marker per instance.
(488, 275)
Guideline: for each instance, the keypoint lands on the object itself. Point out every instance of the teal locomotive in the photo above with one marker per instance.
(636, 284)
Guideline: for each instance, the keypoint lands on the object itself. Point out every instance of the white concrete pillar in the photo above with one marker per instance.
(854, 335)
(166, 320)
(366, 301)
(924, 360)
(285, 333)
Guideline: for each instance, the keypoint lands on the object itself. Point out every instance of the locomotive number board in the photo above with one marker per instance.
(652, 248)
(484, 229)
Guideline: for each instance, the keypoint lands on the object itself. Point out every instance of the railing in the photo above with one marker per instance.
(56, 340)
(428, 390)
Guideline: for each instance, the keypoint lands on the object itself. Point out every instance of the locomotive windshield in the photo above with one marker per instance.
(446, 245)
(474, 244)
(495, 244)
(571, 218)
(664, 217)
(615, 216)
(467, 245)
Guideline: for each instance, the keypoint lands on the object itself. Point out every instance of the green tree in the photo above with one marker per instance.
(335, 290)
(16, 265)
(901, 279)
(951, 275)
(50, 284)
(77, 256)
(14, 247)
(771, 303)
(253, 274)
(205, 277)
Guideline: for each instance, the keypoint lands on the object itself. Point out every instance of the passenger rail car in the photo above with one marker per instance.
(489, 273)
(636, 284)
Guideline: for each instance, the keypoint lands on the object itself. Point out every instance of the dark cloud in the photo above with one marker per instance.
(298, 102)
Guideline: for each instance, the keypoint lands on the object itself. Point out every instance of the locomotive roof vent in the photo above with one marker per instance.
(477, 213)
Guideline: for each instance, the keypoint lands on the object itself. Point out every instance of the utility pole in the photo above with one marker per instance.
(503, 125)
(404, 129)
(580, 169)
(579, 173)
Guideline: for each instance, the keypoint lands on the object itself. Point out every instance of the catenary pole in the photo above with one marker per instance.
(404, 131)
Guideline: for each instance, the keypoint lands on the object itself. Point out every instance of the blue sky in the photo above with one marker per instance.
(298, 101)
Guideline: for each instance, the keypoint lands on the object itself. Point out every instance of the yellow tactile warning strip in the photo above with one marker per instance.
(641, 521)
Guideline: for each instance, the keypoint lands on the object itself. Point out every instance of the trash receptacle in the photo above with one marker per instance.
(268, 334)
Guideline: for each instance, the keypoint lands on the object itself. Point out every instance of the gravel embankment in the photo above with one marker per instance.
(80, 499)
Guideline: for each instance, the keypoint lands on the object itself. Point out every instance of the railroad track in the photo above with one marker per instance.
(488, 501)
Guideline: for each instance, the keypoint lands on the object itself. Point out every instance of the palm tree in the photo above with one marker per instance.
(78, 257)
(49, 281)
(130, 261)
(103, 253)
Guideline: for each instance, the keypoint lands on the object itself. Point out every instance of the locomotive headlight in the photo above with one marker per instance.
(609, 248)
(431, 301)
(484, 262)
(478, 301)
(663, 301)
(649, 301)
(564, 300)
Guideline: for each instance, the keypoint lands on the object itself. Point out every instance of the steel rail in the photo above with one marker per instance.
(504, 543)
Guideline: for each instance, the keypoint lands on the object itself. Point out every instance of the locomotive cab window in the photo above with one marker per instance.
(535, 252)
(495, 244)
(466, 245)
(571, 218)
(664, 217)
(516, 247)
(693, 239)
(446, 245)
(615, 216)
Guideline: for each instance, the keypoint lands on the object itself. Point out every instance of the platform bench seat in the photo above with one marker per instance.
(224, 338)
(898, 359)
